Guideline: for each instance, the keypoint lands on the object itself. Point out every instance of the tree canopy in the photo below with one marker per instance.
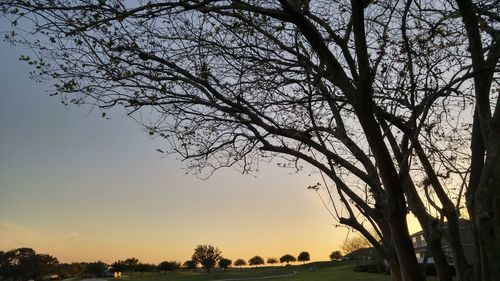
(336, 255)
(225, 263)
(24, 264)
(169, 266)
(256, 260)
(119, 266)
(190, 264)
(96, 268)
(145, 267)
(288, 259)
(272, 261)
(131, 264)
(303, 257)
(240, 262)
(207, 256)
(395, 102)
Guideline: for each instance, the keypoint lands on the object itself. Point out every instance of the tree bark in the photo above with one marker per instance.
(487, 209)
(395, 204)
(486, 198)
(476, 169)
(395, 269)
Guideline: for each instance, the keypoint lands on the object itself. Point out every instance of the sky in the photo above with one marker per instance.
(84, 188)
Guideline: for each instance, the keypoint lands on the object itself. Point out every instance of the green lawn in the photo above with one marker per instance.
(197, 276)
(326, 271)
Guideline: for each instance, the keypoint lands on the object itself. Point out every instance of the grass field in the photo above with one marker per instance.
(326, 271)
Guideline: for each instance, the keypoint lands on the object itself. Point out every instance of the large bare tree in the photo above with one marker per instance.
(383, 97)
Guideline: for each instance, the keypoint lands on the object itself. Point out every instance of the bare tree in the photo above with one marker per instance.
(355, 243)
(382, 97)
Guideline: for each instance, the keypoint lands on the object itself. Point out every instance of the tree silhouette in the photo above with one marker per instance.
(355, 243)
(272, 261)
(335, 256)
(190, 264)
(131, 264)
(256, 260)
(95, 268)
(26, 264)
(303, 257)
(240, 262)
(118, 266)
(385, 98)
(287, 258)
(145, 267)
(171, 266)
(207, 256)
(225, 263)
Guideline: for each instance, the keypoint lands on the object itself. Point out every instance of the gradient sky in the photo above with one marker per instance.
(83, 188)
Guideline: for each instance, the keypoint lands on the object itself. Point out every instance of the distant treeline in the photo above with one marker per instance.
(25, 264)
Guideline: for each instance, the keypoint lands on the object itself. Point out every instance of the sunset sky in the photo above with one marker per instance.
(83, 188)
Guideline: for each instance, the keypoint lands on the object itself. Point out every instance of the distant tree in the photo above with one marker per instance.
(171, 266)
(335, 255)
(287, 258)
(131, 264)
(257, 260)
(240, 262)
(68, 270)
(355, 243)
(190, 264)
(303, 257)
(272, 261)
(207, 256)
(2, 255)
(118, 266)
(225, 263)
(25, 264)
(145, 267)
(96, 268)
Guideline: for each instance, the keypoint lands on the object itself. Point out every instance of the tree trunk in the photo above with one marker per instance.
(459, 260)
(395, 269)
(433, 236)
(485, 201)
(395, 203)
(476, 168)
(410, 269)
(487, 208)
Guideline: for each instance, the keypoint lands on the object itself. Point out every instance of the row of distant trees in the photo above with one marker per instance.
(206, 256)
(25, 264)
(209, 257)
(287, 258)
